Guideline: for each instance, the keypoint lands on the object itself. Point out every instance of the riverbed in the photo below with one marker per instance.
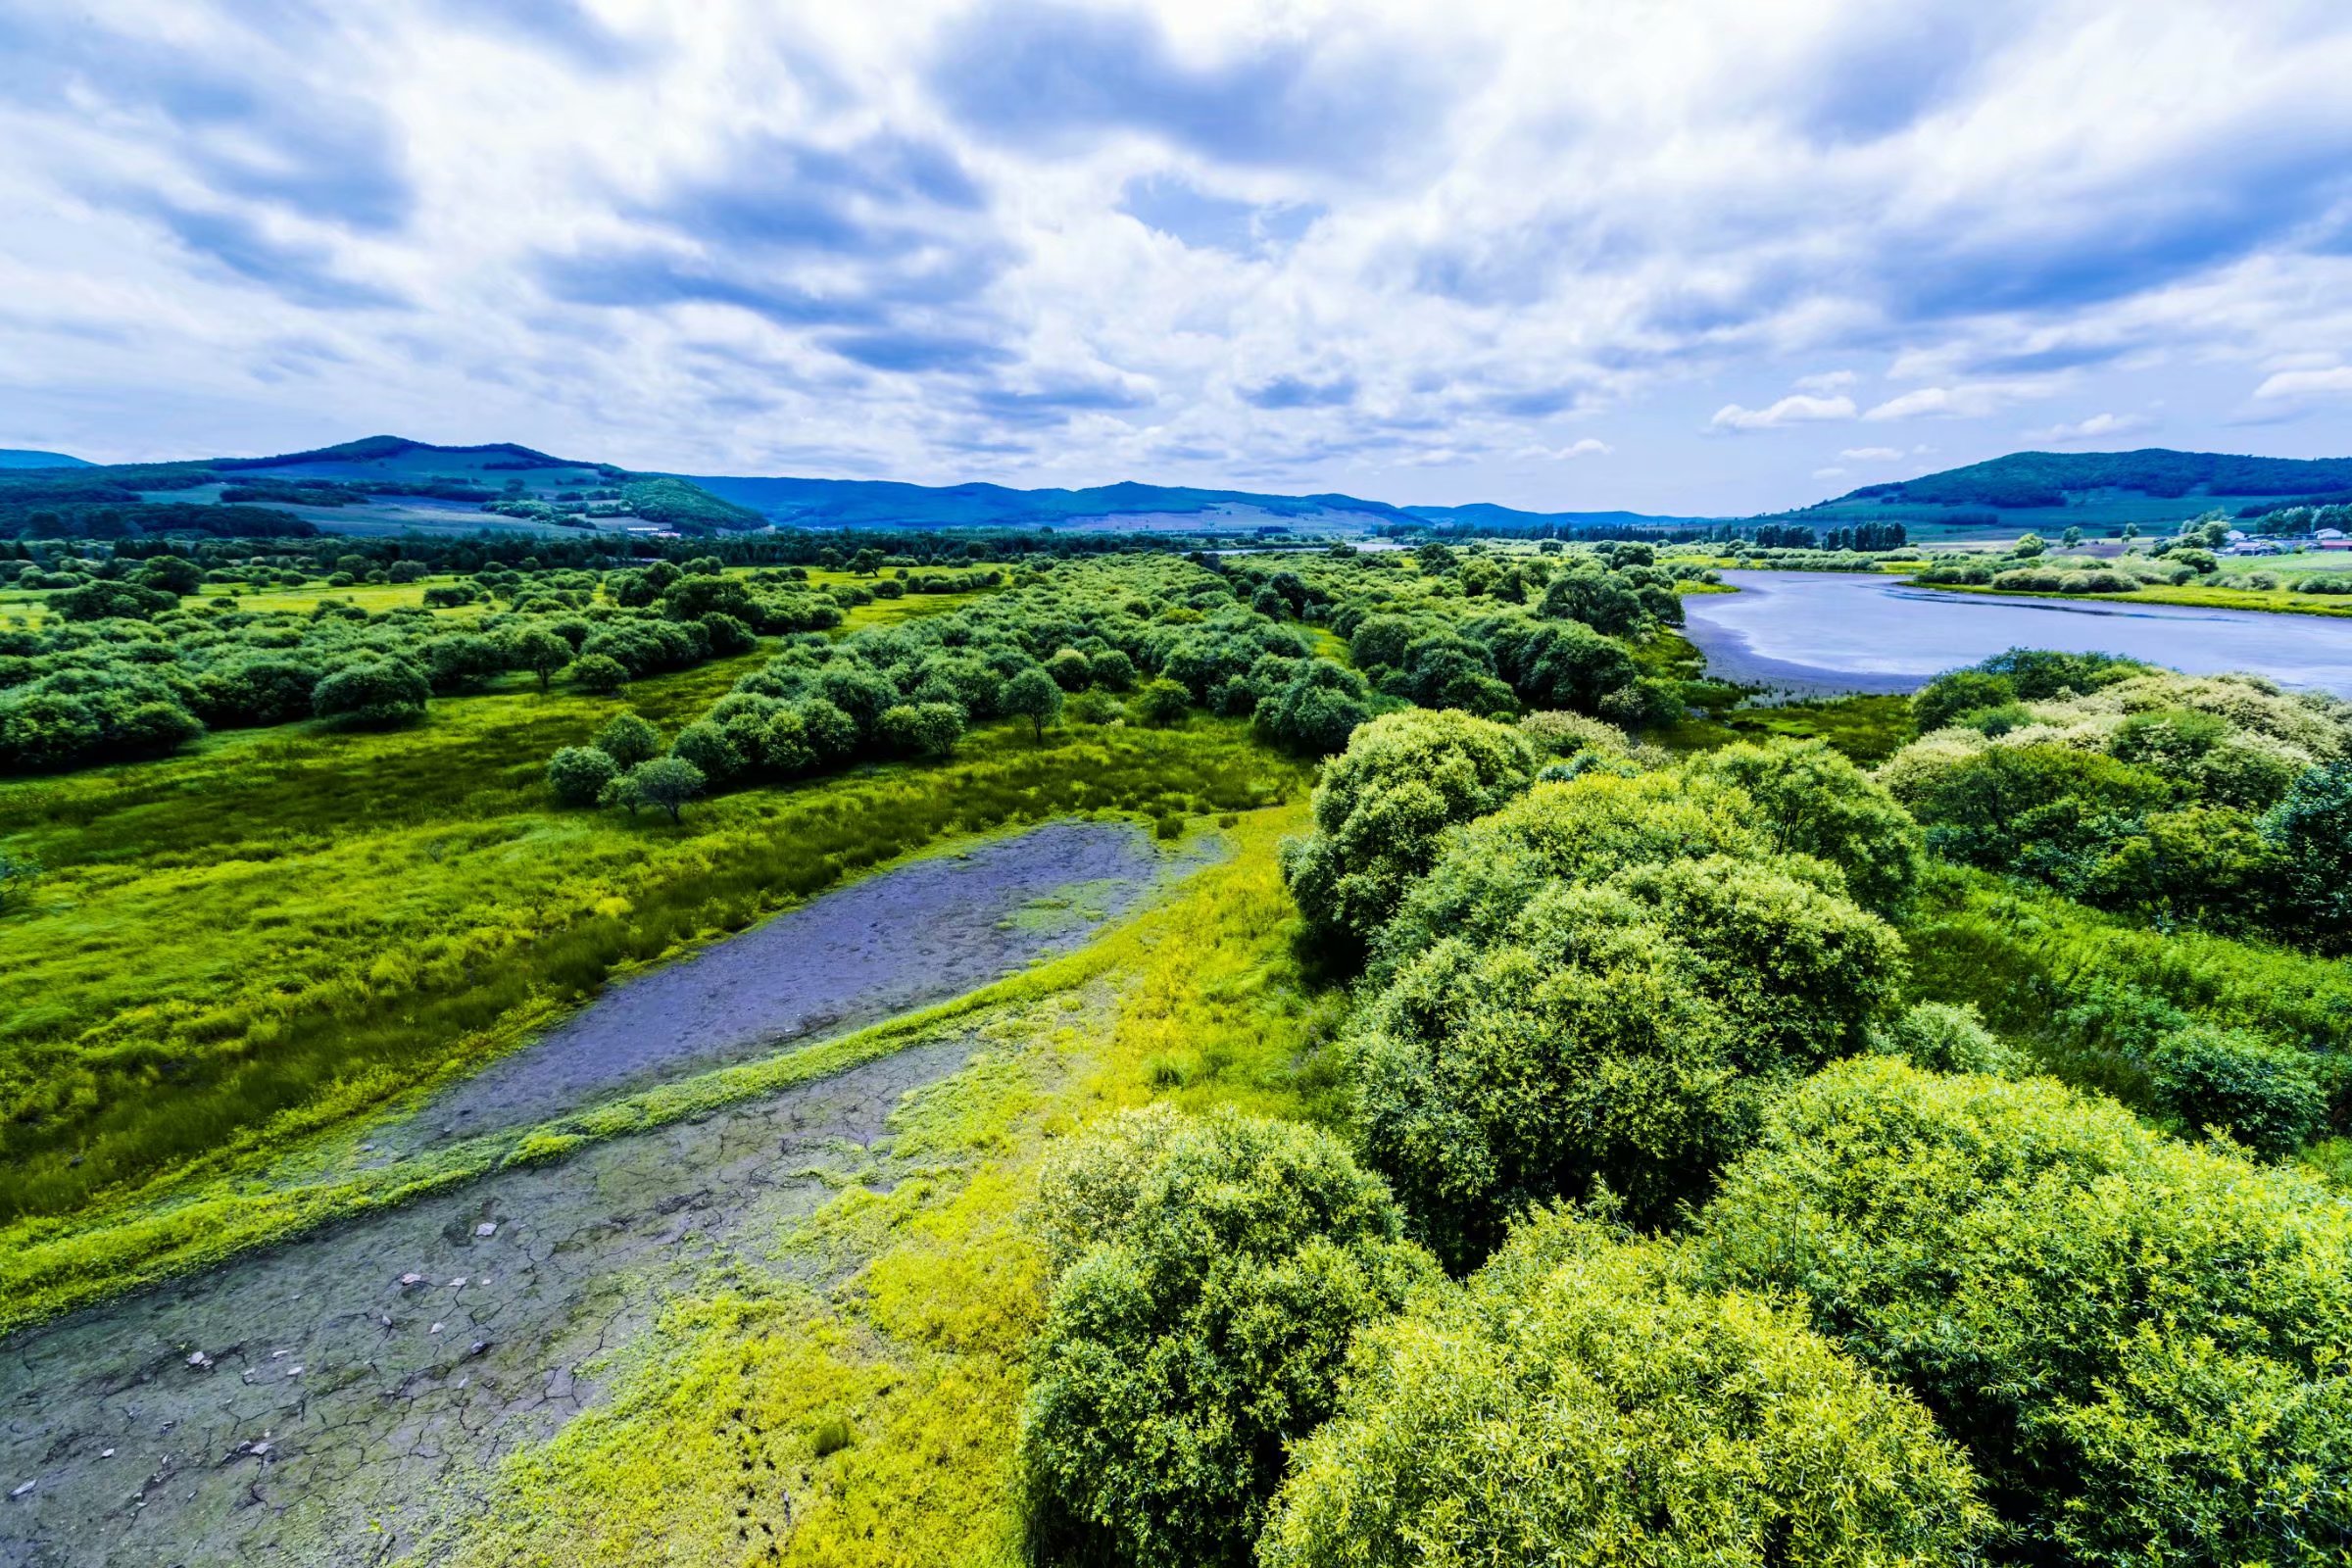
(331, 1399)
(1824, 632)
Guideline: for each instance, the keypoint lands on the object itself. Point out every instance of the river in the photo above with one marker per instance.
(1812, 632)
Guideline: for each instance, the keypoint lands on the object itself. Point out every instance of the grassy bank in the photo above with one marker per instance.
(2277, 601)
(871, 1420)
(253, 942)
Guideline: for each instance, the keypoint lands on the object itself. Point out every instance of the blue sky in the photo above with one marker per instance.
(1699, 257)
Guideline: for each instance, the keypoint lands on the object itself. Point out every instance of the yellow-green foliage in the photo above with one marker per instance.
(1575, 1405)
(917, 1354)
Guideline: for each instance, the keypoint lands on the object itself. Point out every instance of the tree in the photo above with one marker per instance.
(1318, 709)
(1035, 696)
(2269, 1097)
(712, 752)
(1071, 670)
(1208, 1277)
(600, 674)
(1381, 807)
(578, 774)
(628, 740)
(375, 694)
(1575, 1403)
(665, 782)
(2136, 1338)
(539, 651)
(18, 873)
(2028, 546)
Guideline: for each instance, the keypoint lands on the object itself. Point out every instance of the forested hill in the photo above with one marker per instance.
(2056, 479)
(867, 503)
(18, 458)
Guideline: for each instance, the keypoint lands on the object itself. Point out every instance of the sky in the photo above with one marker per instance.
(1712, 256)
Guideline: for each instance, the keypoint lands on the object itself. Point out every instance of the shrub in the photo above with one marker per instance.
(2269, 1098)
(1210, 1274)
(1034, 695)
(1575, 1404)
(600, 674)
(578, 774)
(1403, 779)
(712, 752)
(378, 694)
(2310, 833)
(2139, 1340)
(1625, 1034)
(1316, 712)
(628, 739)
(921, 729)
(1092, 706)
(1938, 1037)
(666, 783)
(1159, 703)
(1811, 800)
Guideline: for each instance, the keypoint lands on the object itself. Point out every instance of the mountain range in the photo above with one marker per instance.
(390, 483)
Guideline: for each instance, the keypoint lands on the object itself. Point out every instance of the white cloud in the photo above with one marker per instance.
(1827, 382)
(1586, 447)
(1795, 409)
(1871, 454)
(2304, 383)
(2098, 427)
(1829, 474)
(1967, 401)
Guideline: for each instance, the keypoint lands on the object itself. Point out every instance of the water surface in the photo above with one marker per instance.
(1847, 631)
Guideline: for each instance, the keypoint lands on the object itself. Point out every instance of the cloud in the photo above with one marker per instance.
(1964, 401)
(2097, 427)
(1826, 382)
(2305, 383)
(1054, 77)
(1829, 474)
(1585, 447)
(1301, 392)
(1871, 454)
(294, 270)
(1797, 408)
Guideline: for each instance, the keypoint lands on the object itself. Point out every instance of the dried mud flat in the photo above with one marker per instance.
(322, 1402)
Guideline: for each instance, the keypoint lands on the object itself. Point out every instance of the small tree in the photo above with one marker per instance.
(600, 674)
(628, 740)
(665, 782)
(374, 694)
(1035, 696)
(578, 774)
(16, 874)
(539, 651)
(921, 729)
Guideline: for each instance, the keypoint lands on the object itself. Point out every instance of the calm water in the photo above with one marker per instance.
(1827, 631)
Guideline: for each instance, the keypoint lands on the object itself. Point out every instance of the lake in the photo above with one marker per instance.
(1850, 632)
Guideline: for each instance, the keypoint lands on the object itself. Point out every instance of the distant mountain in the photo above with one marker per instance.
(883, 502)
(21, 457)
(1487, 517)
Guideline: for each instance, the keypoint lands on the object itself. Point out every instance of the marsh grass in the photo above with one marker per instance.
(718, 1441)
(242, 946)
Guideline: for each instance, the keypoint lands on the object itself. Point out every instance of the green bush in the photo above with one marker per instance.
(578, 774)
(1811, 800)
(1625, 1034)
(600, 674)
(1210, 1274)
(1159, 703)
(371, 695)
(2271, 1098)
(2310, 832)
(920, 729)
(1938, 1037)
(628, 739)
(2140, 1342)
(1381, 807)
(1576, 1403)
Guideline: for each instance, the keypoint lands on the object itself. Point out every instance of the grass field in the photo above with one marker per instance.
(2211, 596)
(251, 942)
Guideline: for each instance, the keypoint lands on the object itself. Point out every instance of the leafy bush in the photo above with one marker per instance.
(1403, 779)
(1576, 1403)
(1316, 712)
(600, 674)
(1159, 703)
(920, 729)
(372, 695)
(628, 739)
(1626, 1034)
(2269, 1098)
(666, 783)
(1810, 799)
(2310, 833)
(2139, 1340)
(1210, 1274)
(578, 774)
(1938, 1037)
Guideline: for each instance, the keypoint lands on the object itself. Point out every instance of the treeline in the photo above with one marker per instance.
(1145, 640)
(1665, 1227)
